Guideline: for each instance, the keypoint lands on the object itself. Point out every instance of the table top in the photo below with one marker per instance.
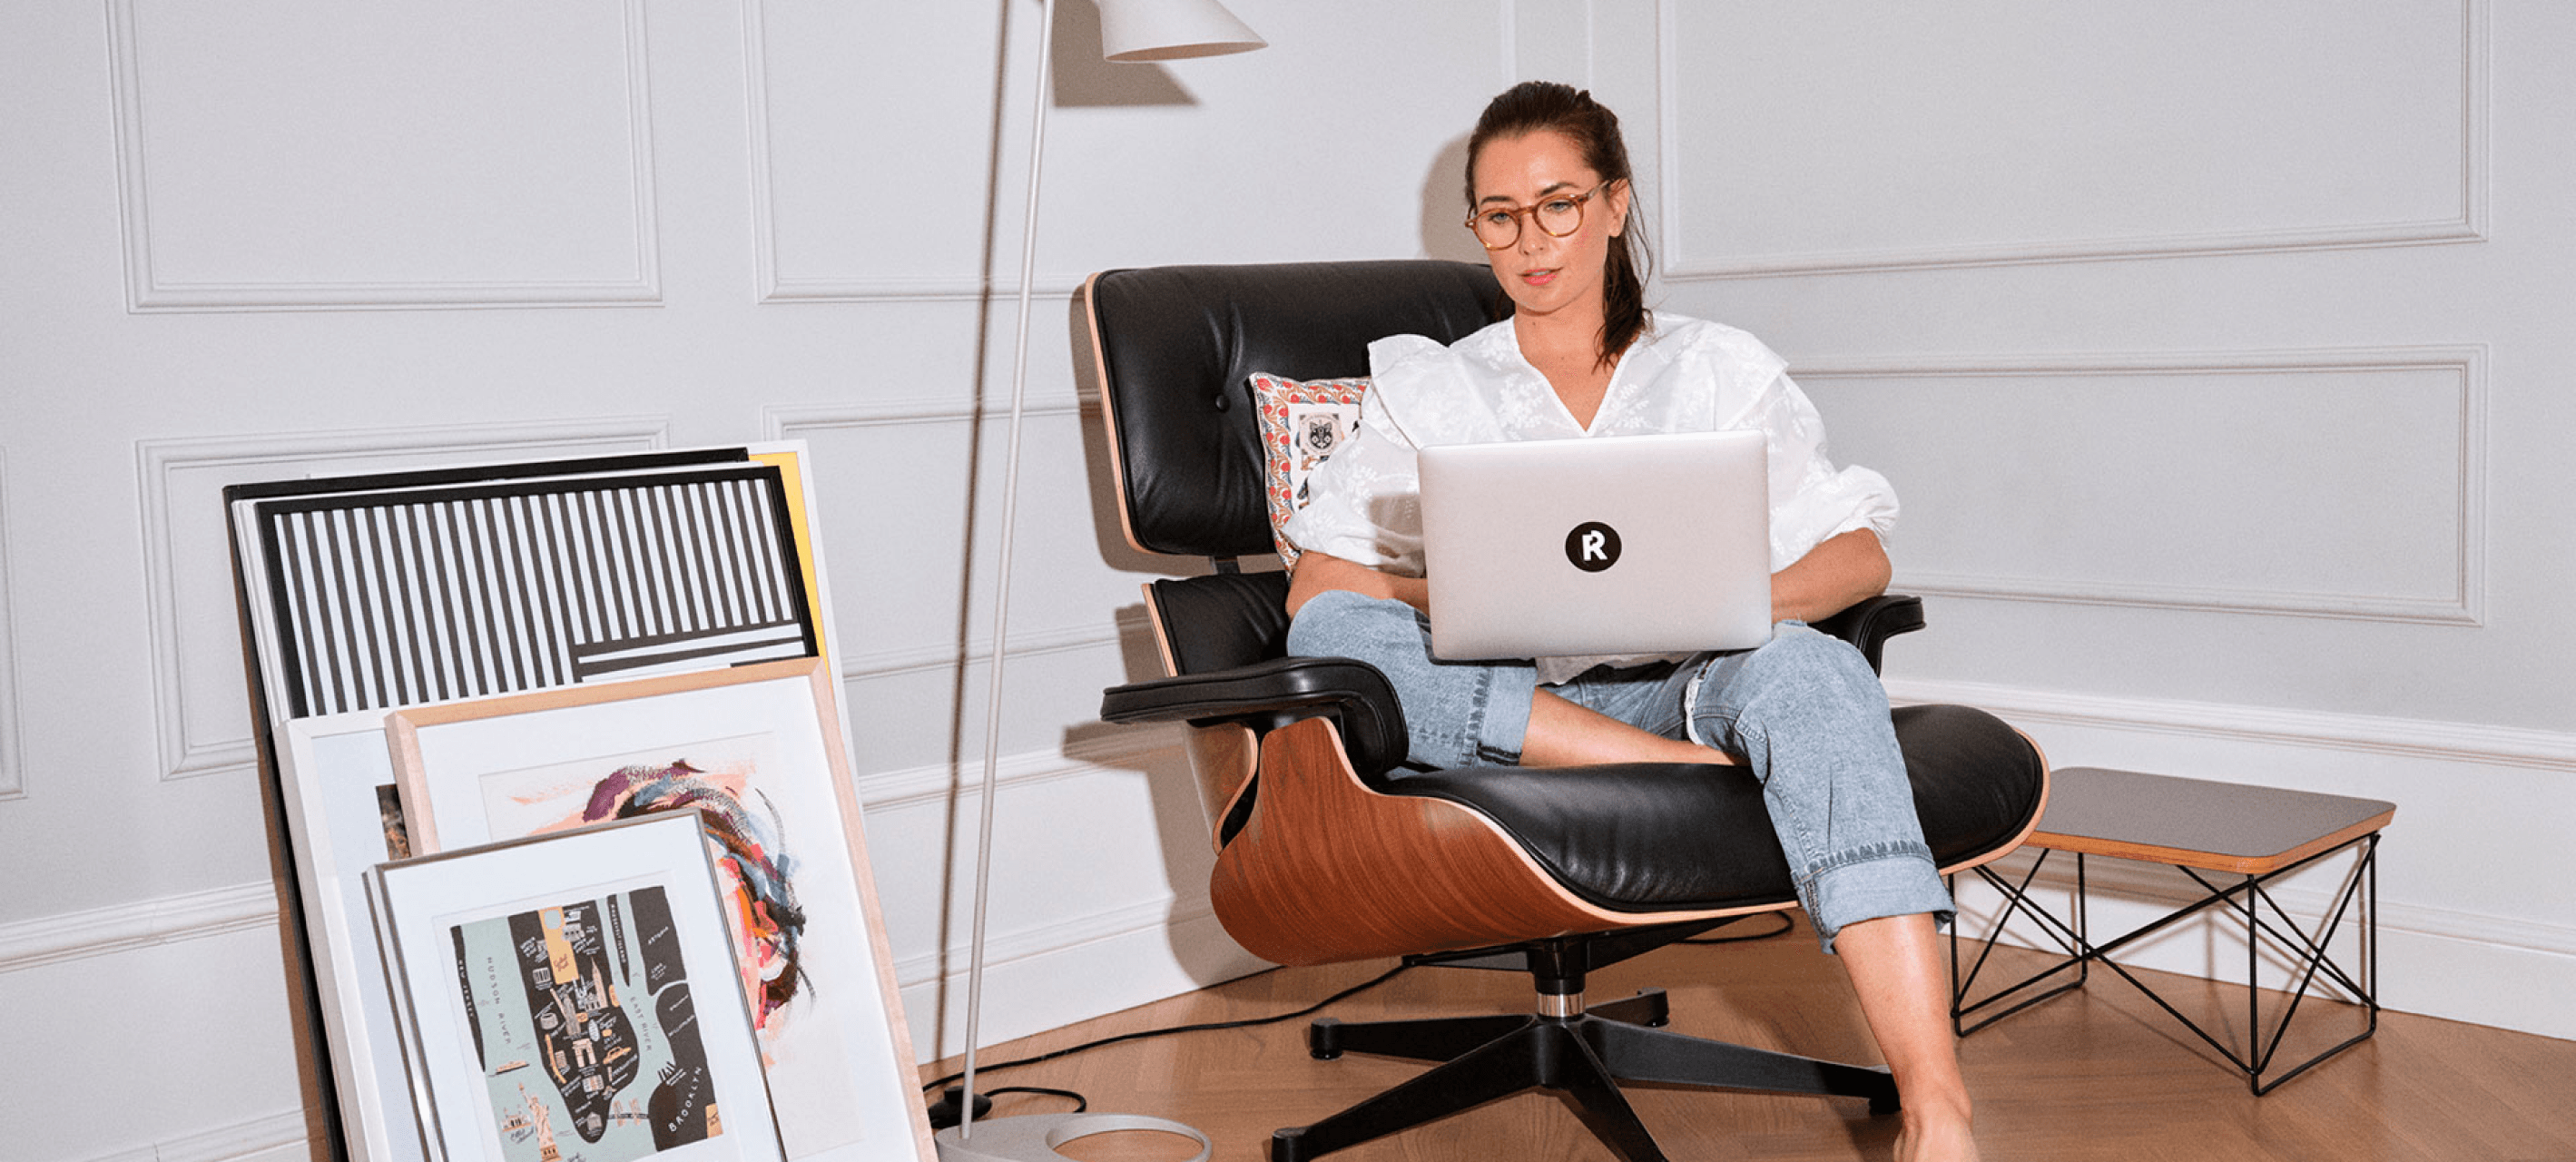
(2197, 822)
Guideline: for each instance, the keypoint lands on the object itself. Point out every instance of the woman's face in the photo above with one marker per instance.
(1542, 273)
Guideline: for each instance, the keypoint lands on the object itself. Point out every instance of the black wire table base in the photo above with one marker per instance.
(2357, 900)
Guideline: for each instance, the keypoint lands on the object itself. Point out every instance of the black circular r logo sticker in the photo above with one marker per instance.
(1592, 546)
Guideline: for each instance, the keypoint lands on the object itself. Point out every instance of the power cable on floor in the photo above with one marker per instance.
(947, 1105)
(945, 1111)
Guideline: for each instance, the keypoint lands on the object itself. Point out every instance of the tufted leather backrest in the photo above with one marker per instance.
(1177, 345)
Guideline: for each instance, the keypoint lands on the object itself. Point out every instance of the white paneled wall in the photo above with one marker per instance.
(262, 240)
(2217, 350)
(2206, 346)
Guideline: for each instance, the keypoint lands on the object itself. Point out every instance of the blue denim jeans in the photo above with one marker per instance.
(1803, 713)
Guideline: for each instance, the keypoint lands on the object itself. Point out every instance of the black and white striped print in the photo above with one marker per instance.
(392, 599)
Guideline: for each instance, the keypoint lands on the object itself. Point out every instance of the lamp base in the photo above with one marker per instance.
(950, 1108)
(1034, 1137)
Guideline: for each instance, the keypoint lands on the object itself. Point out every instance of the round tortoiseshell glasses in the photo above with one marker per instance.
(1560, 215)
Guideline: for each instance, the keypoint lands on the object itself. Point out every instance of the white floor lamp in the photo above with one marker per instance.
(1135, 31)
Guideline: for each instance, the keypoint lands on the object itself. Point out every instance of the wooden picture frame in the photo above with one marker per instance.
(571, 996)
(759, 749)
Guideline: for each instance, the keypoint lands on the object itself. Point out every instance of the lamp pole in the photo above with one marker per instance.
(1002, 568)
(1131, 31)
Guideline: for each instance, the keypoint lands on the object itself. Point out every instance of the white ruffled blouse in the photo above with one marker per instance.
(1687, 375)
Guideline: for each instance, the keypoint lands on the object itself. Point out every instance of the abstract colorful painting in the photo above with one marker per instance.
(756, 752)
(724, 780)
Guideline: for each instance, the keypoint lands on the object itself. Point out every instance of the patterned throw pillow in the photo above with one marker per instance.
(1302, 422)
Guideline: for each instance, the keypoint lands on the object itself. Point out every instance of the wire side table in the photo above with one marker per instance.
(2257, 834)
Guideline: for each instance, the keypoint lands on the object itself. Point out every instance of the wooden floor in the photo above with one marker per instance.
(2100, 1073)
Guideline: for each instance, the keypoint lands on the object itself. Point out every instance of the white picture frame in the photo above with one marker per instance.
(340, 782)
(570, 998)
(331, 772)
(760, 748)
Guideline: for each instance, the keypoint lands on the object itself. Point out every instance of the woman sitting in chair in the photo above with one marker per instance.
(1548, 184)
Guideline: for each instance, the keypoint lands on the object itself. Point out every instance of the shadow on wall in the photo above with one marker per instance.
(1444, 207)
(1083, 78)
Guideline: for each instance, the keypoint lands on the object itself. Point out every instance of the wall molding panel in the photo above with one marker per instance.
(2399, 738)
(916, 495)
(285, 1136)
(1125, 750)
(2468, 225)
(796, 421)
(13, 749)
(1140, 918)
(180, 235)
(1161, 954)
(874, 664)
(769, 243)
(2464, 367)
(126, 927)
(196, 644)
(944, 507)
(1049, 289)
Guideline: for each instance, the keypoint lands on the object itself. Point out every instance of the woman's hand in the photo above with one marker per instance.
(1322, 572)
(1834, 576)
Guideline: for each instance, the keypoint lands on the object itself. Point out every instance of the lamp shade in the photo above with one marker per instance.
(1164, 30)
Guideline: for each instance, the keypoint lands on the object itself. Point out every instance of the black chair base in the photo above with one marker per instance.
(1584, 1056)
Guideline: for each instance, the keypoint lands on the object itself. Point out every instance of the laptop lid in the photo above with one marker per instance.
(1607, 545)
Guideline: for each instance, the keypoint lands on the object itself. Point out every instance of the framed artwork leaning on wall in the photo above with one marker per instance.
(756, 750)
(362, 593)
(571, 997)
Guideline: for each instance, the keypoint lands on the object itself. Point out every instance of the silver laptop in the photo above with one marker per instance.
(1607, 545)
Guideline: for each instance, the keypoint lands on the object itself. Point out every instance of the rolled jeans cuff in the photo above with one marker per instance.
(1870, 883)
(1498, 726)
(1456, 714)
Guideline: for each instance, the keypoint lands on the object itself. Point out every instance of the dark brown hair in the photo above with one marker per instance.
(1549, 107)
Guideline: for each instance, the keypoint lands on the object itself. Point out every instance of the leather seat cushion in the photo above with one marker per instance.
(1646, 837)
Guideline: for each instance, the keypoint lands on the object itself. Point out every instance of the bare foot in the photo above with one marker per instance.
(1935, 1136)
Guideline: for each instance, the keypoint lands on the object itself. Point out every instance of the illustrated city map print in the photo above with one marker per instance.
(586, 1029)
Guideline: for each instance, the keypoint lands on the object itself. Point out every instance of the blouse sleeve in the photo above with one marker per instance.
(1365, 502)
(1811, 500)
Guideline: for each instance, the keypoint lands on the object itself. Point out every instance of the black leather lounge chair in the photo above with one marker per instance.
(1330, 849)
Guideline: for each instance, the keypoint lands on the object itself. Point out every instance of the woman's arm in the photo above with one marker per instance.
(1321, 572)
(1843, 571)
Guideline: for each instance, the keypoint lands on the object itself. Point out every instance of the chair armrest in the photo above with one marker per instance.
(1869, 624)
(1272, 694)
